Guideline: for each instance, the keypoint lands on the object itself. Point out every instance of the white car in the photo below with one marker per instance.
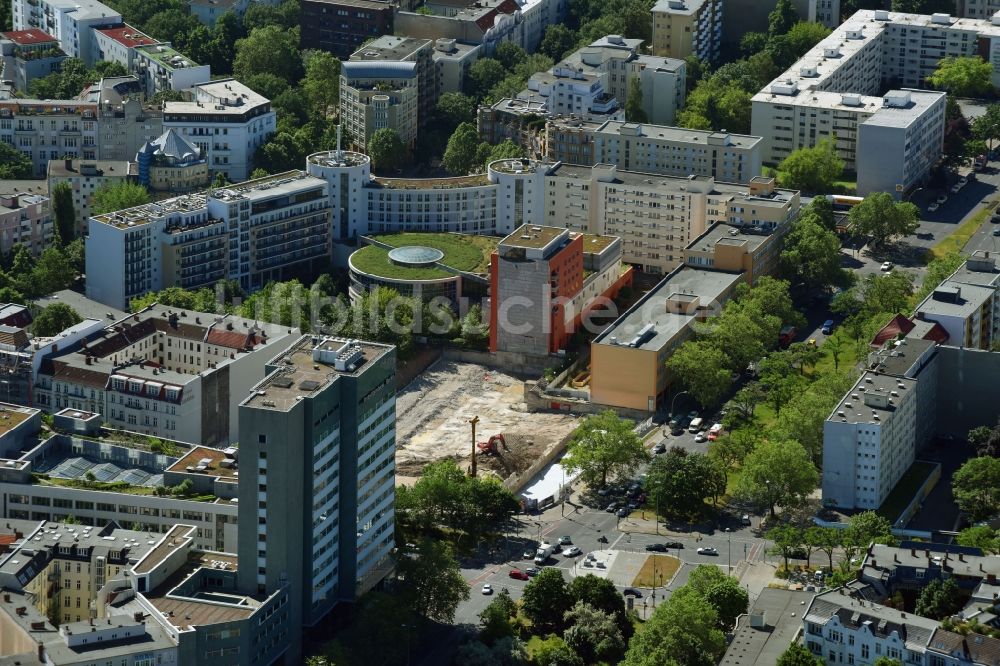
(487, 589)
(708, 551)
(886, 266)
(572, 551)
(933, 207)
(942, 198)
(716, 428)
(700, 437)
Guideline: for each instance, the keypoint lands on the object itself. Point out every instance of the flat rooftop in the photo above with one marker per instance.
(955, 299)
(307, 367)
(678, 6)
(12, 416)
(105, 168)
(53, 535)
(979, 269)
(533, 237)
(128, 36)
(22, 201)
(597, 243)
(85, 307)
(85, 9)
(727, 234)
(206, 461)
(167, 56)
(782, 610)
(904, 116)
(29, 37)
(963, 562)
(185, 612)
(390, 47)
(899, 358)
(668, 133)
(710, 288)
(858, 406)
(177, 537)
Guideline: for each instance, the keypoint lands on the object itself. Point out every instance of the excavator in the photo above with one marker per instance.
(491, 447)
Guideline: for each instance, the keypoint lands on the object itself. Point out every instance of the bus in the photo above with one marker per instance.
(843, 202)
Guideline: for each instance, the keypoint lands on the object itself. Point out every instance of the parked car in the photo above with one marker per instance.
(712, 436)
(572, 551)
(565, 541)
(611, 508)
(677, 545)
(518, 574)
(693, 414)
(995, 218)
(660, 448)
(933, 206)
(528, 555)
(827, 327)
(886, 266)
(632, 592)
(623, 512)
(487, 589)
(700, 437)
(708, 551)
(656, 548)
(941, 199)
(532, 571)
(604, 492)
(745, 519)
(957, 187)
(996, 232)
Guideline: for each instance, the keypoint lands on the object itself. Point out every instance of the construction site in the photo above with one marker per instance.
(434, 411)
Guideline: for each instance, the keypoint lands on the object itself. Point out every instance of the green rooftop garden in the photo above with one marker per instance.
(462, 252)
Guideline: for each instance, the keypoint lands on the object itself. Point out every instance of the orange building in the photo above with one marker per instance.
(544, 280)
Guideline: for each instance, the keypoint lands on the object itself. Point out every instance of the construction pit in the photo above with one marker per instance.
(434, 410)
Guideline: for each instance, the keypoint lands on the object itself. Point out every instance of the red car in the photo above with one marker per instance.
(518, 574)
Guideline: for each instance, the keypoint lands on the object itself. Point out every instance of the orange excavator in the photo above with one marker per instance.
(491, 447)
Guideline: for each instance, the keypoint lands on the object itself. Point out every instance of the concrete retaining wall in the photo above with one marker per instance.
(517, 364)
(919, 497)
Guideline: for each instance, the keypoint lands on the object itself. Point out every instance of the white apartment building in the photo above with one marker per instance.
(977, 9)
(172, 374)
(831, 91)
(967, 304)
(654, 149)
(161, 67)
(72, 22)
(25, 219)
(118, 44)
(227, 120)
(452, 60)
(254, 232)
(379, 94)
(869, 441)
(687, 27)
(842, 628)
(85, 178)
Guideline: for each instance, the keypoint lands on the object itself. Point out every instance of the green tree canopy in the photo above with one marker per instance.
(634, 113)
(883, 218)
(680, 481)
(118, 196)
(604, 447)
(63, 212)
(940, 599)
(54, 319)
(703, 369)
(964, 76)
(796, 654)
(269, 50)
(983, 537)
(558, 40)
(976, 487)
(546, 600)
(812, 170)
(776, 473)
(322, 82)
(593, 634)
(433, 584)
(682, 631)
(462, 156)
(386, 149)
(723, 592)
(454, 108)
(13, 163)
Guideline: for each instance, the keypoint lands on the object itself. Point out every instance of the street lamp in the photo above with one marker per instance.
(729, 550)
(674, 401)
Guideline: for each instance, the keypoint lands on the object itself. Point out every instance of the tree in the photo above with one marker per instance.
(703, 369)
(782, 18)
(506, 149)
(976, 487)
(322, 82)
(380, 634)
(510, 55)
(787, 540)
(797, 655)
(835, 346)
(777, 472)
(593, 634)
(824, 539)
(432, 583)
(553, 651)
(53, 271)
(727, 596)
(386, 149)
(745, 402)
(545, 601)
(681, 632)
(118, 196)
(884, 219)
(54, 319)
(604, 447)
(558, 40)
(717, 104)
(940, 599)
(983, 537)
(804, 35)
(987, 126)
(922, 6)
(483, 75)
(601, 593)
(63, 212)
(867, 527)
(812, 169)
(886, 661)
(271, 50)
(454, 108)
(811, 257)
(634, 113)
(963, 76)
(460, 157)
(731, 449)
(13, 163)
(495, 620)
(680, 481)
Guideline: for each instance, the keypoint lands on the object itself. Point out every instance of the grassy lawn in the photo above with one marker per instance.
(374, 260)
(664, 567)
(464, 253)
(904, 491)
(958, 238)
(839, 186)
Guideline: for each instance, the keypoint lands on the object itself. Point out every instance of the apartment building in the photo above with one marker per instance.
(118, 44)
(377, 95)
(869, 441)
(173, 374)
(28, 54)
(340, 27)
(207, 11)
(687, 27)
(520, 120)
(257, 231)
(227, 121)
(452, 60)
(967, 304)
(84, 178)
(25, 219)
(72, 22)
(317, 448)
(654, 149)
(544, 280)
(737, 249)
(160, 67)
(390, 49)
(743, 16)
(142, 600)
(171, 163)
(125, 120)
(628, 359)
(977, 9)
(484, 22)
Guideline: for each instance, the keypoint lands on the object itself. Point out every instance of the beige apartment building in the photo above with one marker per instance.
(687, 27)
(376, 95)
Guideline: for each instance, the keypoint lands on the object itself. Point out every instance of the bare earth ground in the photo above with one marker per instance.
(433, 412)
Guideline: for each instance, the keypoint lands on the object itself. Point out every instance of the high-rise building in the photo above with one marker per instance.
(84, 178)
(340, 27)
(317, 474)
(25, 219)
(687, 27)
(72, 22)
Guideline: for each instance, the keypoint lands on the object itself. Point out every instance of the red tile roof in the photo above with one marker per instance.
(29, 37)
(900, 325)
(486, 21)
(231, 339)
(128, 36)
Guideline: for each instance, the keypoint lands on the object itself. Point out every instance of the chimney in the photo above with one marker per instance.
(874, 563)
(41, 653)
(68, 162)
(961, 557)
(913, 552)
(895, 557)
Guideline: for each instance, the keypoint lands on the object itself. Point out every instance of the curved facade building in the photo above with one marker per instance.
(411, 270)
